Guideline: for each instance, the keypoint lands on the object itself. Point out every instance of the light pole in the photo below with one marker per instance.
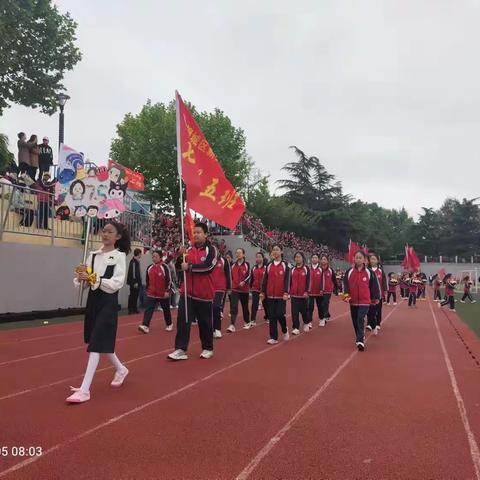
(62, 100)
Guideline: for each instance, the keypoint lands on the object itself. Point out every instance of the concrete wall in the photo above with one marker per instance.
(36, 277)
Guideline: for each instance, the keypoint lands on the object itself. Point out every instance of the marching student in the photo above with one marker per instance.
(361, 289)
(375, 311)
(437, 295)
(240, 290)
(412, 283)
(104, 273)
(404, 286)
(467, 285)
(315, 292)
(339, 278)
(256, 281)
(450, 284)
(199, 263)
(134, 281)
(299, 286)
(275, 291)
(328, 285)
(392, 288)
(222, 282)
(158, 286)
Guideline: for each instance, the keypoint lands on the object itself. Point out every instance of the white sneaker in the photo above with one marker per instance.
(253, 324)
(369, 328)
(306, 328)
(474, 301)
(231, 329)
(286, 336)
(451, 310)
(360, 346)
(217, 334)
(178, 355)
(394, 303)
(271, 341)
(462, 301)
(206, 354)
(119, 378)
(143, 329)
(376, 330)
(322, 323)
(169, 328)
(247, 326)
(295, 331)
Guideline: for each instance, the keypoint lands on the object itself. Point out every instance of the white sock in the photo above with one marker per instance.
(92, 365)
(116, 362)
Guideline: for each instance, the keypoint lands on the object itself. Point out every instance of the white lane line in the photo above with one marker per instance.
(474, 451)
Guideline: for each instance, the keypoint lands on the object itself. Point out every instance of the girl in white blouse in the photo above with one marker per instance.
(104, 274)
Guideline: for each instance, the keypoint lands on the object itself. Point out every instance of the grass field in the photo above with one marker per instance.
(469, 313)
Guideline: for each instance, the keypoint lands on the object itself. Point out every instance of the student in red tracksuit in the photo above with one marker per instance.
(328, 285)
(275, 290)
(437, 295)
(199, 263)
(467, 286)
(158, 286)
(450, 284)
(315, 292)
(240, 290)
(222, 282)
(360, 286)
(412, 283)
(256, 280)
(299, 286)
(375, 311)
(392, 288)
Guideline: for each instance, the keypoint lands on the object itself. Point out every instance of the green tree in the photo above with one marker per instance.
(147, 142)
(37, 46)
(6, 157)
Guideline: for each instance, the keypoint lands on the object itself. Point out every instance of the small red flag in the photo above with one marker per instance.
(208, 190)
(352, 249)
(189, 224)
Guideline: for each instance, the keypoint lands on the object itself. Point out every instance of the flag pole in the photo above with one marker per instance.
(182, 222)
(84, 258)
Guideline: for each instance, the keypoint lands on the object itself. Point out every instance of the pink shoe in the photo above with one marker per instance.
(119, 378)
(78, 396)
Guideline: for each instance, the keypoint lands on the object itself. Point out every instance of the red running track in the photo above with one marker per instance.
(310, 408)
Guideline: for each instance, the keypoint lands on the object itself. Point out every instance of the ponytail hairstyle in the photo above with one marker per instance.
(123, 243)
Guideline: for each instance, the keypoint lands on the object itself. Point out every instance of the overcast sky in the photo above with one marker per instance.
(386, 93)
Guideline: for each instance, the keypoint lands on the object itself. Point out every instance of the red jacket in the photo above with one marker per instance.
(466, 288)
(392, 287)
(449, 290)
(222, 277)
(202, 260)
(158, 281)
(240, 273)
(412, 287)
(362, 286)
(382, 280)
(256, 278)
(299, 281)
(315, 281)
(328, 282)
(276, 280)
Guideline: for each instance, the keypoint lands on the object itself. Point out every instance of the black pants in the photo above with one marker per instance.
(276, 313)
(467, 295)
(375, 314)
(201, 312)
(311, 307)
(43, 214)
(31, 172)
(255, 304)
(42, 168)
(133, 299)
(324, 311)
(151, 305)
(358, 313)
(412, 299)
(403, 292)
(218, 303)
(449, 301)
(421, 293)
(234, 298)
(299, 307)
(392, 295)
(437, 295)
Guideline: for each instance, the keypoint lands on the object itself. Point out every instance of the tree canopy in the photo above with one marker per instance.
(147, 142)
(37, 47)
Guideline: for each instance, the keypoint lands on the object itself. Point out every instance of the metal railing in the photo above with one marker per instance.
(27, 211)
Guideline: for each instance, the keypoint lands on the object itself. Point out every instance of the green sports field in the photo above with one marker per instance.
(469, 313)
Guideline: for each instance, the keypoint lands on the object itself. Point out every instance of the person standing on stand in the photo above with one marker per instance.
(45, 157)
(134, 281)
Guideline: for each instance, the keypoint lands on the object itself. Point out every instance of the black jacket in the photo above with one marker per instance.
(45, 154)
(134, 275)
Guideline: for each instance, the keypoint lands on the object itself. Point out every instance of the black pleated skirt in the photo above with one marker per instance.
(101, 320)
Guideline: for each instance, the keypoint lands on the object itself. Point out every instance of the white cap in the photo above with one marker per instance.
(46, 138)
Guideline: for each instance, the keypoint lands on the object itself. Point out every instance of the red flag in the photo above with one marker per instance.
(135, 180)
(208, 190)
(189, 224)
(352, 249)
(411, 261)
